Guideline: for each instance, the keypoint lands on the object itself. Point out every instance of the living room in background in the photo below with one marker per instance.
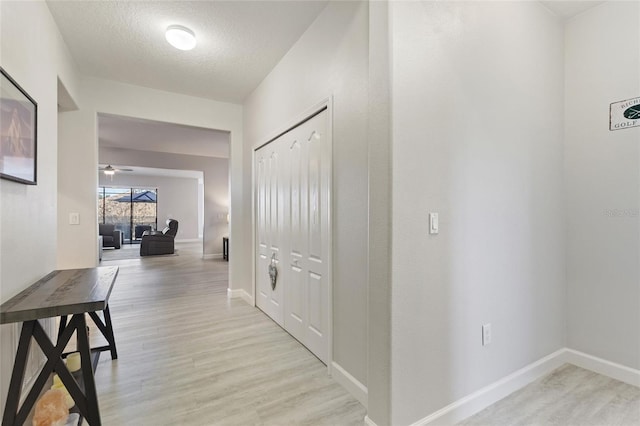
(131, 210)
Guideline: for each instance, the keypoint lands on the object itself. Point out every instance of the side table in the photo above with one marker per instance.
(65, 293)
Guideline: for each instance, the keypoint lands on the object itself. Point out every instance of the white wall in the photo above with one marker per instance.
(477, 136)
(379, 277)
(177, 199)
(216, 186)
(329, 59)
(603, 184)
(77, 184)
(35, 59)
(102, 96)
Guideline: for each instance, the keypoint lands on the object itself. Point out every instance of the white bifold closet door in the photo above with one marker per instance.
(292, 229)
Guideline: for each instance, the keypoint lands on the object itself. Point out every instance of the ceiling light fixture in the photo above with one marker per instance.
(180, 37)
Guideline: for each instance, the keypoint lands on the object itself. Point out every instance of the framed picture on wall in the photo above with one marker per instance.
(18, 132)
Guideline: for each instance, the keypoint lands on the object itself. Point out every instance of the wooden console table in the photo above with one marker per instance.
(73, 292)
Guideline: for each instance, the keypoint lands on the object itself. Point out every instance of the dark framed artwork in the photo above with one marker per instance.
(18, 132)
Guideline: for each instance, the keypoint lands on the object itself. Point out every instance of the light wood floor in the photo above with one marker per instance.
(569, 396)
(189, 356)
(127, 251)
(132, 251)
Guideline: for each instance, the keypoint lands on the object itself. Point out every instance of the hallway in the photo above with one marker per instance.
(189, 356)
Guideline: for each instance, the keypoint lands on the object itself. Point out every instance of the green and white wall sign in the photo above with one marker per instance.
(624, 114)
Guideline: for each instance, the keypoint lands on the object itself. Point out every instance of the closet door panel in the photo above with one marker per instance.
(262, 249)
(295, 299)
(293, 176)
(319, 179)
(277, 190)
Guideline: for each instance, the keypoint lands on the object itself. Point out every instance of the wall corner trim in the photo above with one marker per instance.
(616, 371)
(350, 383)
(240, 293)
(490, 394)
(481, 399)
(369, 422)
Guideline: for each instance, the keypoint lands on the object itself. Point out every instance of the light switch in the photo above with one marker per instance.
(434, 226)
(486, 334)
(74, 218)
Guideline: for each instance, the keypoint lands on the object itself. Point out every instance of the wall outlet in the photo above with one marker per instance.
(74, 218)
(486, 334)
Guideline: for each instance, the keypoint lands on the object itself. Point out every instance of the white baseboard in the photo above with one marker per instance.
(481, 399)
(369, 422)
(189, 240)
(212, 256)
(604, 367)
(240, 293)
(350, 383)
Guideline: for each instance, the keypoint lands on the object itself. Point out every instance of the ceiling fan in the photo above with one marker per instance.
(109, 170)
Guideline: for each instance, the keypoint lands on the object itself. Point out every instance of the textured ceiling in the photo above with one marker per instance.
(147, 135)
(567, 9)
(239, 42)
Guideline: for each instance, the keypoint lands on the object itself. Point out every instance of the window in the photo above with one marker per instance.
(131, 210)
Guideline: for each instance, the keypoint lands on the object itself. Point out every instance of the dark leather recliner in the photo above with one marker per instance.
(159, 242)
(140, 230)
(111, 237)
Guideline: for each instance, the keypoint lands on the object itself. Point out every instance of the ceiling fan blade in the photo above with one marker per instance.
(110, 168)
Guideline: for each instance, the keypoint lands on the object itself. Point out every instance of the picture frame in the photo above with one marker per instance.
(18, 132)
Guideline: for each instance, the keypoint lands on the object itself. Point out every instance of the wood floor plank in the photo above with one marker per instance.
(569, 396)
(190, 356)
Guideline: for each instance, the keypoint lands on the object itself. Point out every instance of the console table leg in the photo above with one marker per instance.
(110, 336)
(106, 328)
(62, 326)
(93, 417)
(17, 376)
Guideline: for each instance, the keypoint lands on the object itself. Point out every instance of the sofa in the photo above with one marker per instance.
(111, 237)
(159, 242)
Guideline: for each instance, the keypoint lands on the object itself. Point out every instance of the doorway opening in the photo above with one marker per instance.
(189, 167)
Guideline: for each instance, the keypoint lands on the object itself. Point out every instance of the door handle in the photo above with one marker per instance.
(273, 271)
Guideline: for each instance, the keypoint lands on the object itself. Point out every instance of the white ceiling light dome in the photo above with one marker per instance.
(180, 37)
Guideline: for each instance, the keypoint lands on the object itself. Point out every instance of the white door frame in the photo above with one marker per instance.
(326, 103)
